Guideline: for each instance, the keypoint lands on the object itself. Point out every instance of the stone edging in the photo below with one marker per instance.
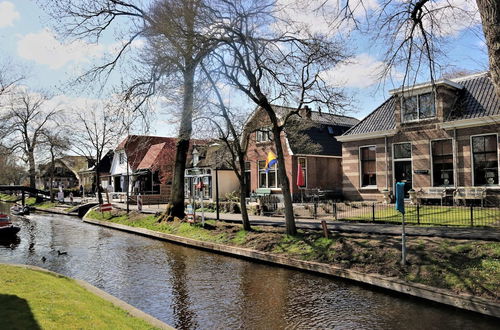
(106, 296)
(468, 302)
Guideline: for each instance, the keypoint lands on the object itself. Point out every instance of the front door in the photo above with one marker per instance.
(402, 173)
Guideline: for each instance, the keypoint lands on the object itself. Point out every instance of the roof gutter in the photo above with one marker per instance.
(473, 122)
(364, 136)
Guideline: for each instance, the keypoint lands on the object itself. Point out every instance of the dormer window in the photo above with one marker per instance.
(418, 107)
(264, 135)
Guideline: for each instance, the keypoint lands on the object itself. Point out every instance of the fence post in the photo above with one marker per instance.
(471, 215)
(373, 212)
(418, 213)
(335, 211)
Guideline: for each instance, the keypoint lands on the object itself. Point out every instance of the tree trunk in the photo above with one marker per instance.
(490, 17)
(176, 206)
(51, 192)
(243, 185)
(291, 229)
(98, 183)
(32, 169)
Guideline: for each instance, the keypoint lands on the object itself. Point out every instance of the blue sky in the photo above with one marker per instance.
(27, 39)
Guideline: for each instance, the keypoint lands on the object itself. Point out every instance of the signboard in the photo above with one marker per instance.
(190, 213)
(106, 207)
(421, 171)
(400, 197)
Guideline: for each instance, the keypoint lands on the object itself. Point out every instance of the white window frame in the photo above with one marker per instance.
(472, 159)
(261, 132)
(267, 176)
(394, 160)
(431, 165)
(361, 167)
(418, 107)
(305, 171)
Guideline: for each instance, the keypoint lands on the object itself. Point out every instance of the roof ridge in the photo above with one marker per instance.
(470, 76)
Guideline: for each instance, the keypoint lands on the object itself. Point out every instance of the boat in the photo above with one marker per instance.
(7, 229)
(19, 210)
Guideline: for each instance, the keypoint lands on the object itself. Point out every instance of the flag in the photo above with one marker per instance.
(270, 161)
(300, 176)
(400, 197)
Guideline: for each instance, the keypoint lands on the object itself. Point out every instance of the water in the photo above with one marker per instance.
(192, 289)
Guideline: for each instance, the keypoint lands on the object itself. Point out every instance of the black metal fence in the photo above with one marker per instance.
(472, 215)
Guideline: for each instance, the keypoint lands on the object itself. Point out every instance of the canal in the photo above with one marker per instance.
(193, 289)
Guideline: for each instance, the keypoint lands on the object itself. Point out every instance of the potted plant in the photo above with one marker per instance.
(413, 196)
(387, 195)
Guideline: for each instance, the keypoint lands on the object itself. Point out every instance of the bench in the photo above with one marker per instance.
(469, 193)
(262, 192)
(433, 193)
(268, 204)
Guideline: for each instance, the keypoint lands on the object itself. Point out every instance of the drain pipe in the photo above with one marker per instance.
(455, 158)
(386, 165)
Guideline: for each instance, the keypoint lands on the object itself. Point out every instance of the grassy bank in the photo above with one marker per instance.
(32, 300)
(8, 198)
(462, 266)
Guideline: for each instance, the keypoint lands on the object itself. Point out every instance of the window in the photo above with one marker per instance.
(264, 135)
(330, 130)
(121, 158)
(303, 164)
(270, 179)
(485, 159)
(402, 150)
(418, 107)
(368, 171)
(442, 163)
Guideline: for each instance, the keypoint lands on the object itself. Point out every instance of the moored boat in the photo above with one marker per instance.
(6, 227)
(19, 210)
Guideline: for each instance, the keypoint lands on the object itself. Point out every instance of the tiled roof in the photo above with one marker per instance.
(150, 157)
(381, 119)
(477, 99)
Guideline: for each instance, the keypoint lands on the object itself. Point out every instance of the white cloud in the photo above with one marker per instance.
(43, 48)
(318, 16)
(361, 72)
(452, 16)
(8, 14)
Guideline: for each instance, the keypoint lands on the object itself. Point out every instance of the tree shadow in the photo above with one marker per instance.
(16, 313)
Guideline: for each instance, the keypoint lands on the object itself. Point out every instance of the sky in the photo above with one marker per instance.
(27, 40)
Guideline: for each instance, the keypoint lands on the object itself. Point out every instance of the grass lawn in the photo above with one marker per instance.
(32, 299)
(462, 266)
(8, 198)
(428, 214)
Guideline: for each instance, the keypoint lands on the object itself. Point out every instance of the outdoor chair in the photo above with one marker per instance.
(433, 193)
(469, 193)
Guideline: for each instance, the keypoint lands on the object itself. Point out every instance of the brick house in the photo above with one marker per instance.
(428, 135)
(150, 161)
(310, 141)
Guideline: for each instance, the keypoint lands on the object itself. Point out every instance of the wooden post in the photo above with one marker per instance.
(22, 197)
(325, 228)
(217, 209)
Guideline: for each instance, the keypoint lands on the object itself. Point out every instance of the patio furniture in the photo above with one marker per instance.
(433, 193)
(469, 193)
(268, 204)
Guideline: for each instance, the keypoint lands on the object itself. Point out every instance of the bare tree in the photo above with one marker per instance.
(26, 117)
(270, 66)
(414, 32)
(56, 142)
(234, 137)
(95, 132)
(179, 35)
(10, 171)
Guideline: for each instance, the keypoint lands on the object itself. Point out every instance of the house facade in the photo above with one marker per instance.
(444, 134)
(67, 171)
(311, 141)
(209, 164)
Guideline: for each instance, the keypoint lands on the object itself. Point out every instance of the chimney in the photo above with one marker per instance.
(306, 112)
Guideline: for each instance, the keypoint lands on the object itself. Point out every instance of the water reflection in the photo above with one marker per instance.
(192, 289)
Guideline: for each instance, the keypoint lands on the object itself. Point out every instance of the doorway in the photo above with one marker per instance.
(402, 173)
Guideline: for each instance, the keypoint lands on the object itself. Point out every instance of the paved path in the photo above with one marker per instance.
(479, 233)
